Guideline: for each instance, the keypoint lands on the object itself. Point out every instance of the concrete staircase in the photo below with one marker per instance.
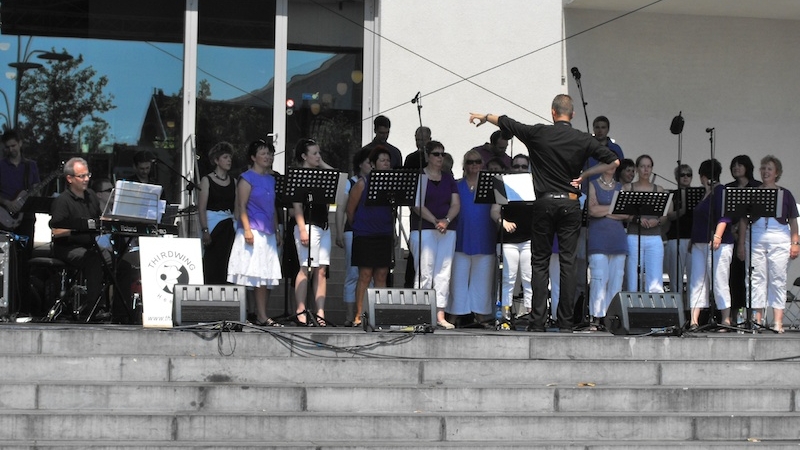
(124, 387)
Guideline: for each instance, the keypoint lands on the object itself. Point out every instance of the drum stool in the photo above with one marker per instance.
(71, 286)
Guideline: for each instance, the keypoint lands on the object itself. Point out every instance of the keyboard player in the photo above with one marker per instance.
(75, 217)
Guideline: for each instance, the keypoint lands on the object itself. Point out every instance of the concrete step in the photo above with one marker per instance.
(229, 398)
(403, 372)
(268, 427)
(462, 344)
(500, 443)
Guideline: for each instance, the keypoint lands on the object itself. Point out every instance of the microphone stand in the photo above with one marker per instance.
(577, 75)
(190, 185)
(418, 101)
(711, 227)
(676, 127)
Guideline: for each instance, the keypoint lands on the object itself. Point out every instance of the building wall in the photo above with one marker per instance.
(736, 75)
(429, 46)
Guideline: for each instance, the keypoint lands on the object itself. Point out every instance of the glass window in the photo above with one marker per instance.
(324, 76)
(236, 65)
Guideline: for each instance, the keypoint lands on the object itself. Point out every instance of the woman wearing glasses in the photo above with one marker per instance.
(473, 262)
(679, 234)
(515, 226)
(316, 243)
(433, 246)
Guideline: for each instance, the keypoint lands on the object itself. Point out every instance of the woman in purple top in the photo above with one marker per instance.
(474, 259)
(775, 242)
(607, 246)
(436, 218)
(710, 248)
(254, 258)
(373, 230)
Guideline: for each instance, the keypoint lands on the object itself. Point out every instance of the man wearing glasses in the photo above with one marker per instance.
(75, 215)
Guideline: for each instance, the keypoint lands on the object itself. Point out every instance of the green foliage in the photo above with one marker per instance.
(58, 99)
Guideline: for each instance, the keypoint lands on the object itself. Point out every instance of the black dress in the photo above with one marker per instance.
(216, 255)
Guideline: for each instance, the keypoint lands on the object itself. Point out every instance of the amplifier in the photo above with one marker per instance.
(392, 309)
(203, 303)
(644, 312)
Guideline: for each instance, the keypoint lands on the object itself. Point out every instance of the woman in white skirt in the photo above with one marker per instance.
(254, 258)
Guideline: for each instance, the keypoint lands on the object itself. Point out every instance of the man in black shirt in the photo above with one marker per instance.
(558, 153)
(75, 215)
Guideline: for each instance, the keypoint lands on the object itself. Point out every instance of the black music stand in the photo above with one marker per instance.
(638, 204)
(310, 186)
(281, 205)
(392, 188)
(494, 188)
(689, 198)
(751, 204)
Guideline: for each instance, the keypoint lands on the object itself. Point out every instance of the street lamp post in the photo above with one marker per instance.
(22, 64)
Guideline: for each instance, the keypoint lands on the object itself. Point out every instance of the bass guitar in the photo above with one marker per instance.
(9, 220)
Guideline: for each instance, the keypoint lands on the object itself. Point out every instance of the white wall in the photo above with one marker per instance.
(737, 75)
(424, 41)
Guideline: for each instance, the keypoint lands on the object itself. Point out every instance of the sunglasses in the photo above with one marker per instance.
(470, 162)
(439, 154)
(686, 174)
(520, 166)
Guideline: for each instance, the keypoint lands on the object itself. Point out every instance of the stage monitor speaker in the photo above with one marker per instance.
(204, 303)
(644, 312)
(400, 309)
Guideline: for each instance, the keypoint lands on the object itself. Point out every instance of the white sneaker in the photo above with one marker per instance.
(445, 324)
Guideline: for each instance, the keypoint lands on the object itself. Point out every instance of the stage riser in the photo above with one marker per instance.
(126, 388)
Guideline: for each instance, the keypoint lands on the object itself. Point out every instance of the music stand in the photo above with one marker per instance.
(751, 203)
(502, 189)
(310, 186)
(392, 188)
(638, 204)
(689, 198)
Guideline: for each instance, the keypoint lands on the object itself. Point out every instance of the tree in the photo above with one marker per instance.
(58, 99)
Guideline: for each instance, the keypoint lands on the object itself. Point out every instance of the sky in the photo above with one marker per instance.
(135, 69)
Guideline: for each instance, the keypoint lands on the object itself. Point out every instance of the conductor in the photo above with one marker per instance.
(558, 153)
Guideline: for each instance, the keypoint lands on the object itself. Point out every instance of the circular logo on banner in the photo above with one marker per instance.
(170, 274)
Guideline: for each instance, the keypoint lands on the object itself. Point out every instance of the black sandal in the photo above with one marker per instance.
(268, 323)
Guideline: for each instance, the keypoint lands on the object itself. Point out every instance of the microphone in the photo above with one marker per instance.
(709, 130)
(576, 73)
(415, 99)
(676, 127)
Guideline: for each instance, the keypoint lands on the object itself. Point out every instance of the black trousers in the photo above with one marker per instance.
(562, 218)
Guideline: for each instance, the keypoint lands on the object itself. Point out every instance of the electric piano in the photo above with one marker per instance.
(133, 228)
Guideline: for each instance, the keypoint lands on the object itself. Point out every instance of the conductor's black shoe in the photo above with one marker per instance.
(535, 329)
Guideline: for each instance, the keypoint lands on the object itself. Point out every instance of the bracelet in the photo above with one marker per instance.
(487, 116)
(447, 219)
(717, 237)
(795, 243)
